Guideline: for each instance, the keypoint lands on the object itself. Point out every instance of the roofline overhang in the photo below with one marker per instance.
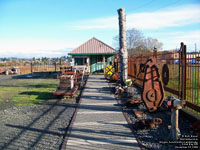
(94, 54)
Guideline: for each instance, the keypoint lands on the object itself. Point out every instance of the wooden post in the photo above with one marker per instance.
(55, 67)
(175, 132)
(155, 53)
(88, 63)
(104, 64)
(123, 46)
(176, 105)
(31, 67)
(60, 61)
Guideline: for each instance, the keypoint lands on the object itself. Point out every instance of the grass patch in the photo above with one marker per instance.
(28, 91)
(192, 83)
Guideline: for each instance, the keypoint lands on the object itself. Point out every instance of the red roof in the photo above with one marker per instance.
(93, 46)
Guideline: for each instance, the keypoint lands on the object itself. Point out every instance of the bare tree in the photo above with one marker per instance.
(133, 37)
(137, 43)
(150, 43)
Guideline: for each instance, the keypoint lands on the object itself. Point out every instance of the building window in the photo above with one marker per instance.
(80, 61)
(99, 58)
(107, 58)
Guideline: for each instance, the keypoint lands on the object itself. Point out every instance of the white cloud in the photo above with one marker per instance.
(172, 17)
(172, 40)
(35, 47)
(37, 54)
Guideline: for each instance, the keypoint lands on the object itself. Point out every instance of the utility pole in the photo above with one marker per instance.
(123, 46)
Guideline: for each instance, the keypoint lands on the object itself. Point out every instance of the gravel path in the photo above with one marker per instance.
(35, 127)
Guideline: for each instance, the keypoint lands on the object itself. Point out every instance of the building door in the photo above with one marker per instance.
(96, 63)
(93, 63)
(108, 58)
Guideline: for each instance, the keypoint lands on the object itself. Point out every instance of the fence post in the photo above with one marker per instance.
(155, 53)
(31, 67)
(60, 61)
(55, 66)
(183, 84)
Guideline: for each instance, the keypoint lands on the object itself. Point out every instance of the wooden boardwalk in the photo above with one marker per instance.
(99, 123)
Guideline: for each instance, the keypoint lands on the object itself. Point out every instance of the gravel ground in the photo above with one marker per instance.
(35, 127)
(156, 138)
(4, 77)
(43, 126)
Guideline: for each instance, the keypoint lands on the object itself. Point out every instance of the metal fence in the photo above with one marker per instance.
(45, 67)
(179, 71)
(31, 68)
(192, 81)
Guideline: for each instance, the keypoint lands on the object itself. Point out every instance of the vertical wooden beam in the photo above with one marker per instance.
(88, 63)
(175, 132)
(104, 63)
(31, 67)
(60, 61)
(73, 60)
(55, 66)
(123, 46)
(155, 53)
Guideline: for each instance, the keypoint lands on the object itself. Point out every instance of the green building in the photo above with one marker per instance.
(94, 54)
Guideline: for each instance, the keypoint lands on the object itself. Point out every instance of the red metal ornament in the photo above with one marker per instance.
(152, 92)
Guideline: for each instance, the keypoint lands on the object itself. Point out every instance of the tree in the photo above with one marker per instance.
(133, 38)
(137, 43)
(150, 43)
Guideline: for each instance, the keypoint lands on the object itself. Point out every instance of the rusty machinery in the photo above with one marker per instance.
(152, 94)
(7, 71)
(69, 81)
(2, 70)
(152, 89)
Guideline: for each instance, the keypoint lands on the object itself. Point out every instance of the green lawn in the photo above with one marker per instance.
(27, 91)
(193, 86)
(192, 83)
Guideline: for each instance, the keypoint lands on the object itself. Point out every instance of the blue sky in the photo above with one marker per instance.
(38, 28)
